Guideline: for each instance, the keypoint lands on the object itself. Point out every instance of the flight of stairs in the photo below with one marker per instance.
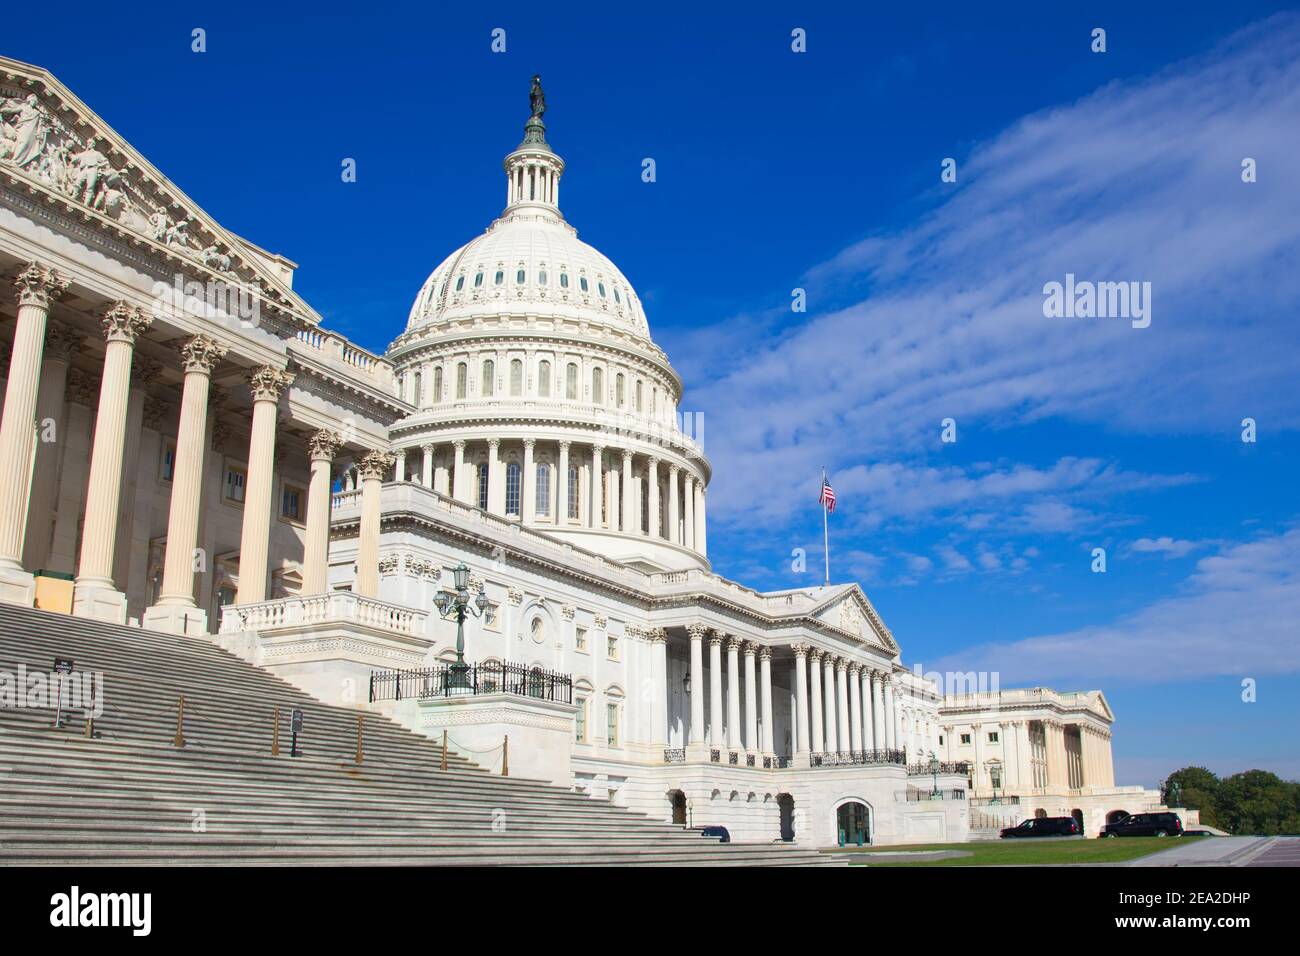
(130, 796)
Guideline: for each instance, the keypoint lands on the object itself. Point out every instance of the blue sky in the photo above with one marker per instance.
(821, 171)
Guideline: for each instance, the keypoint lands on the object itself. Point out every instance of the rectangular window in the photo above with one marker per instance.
(571, 382)
(611, 724)
(291, 502)
(580, 639)
(965, 738)
(993, 737)
(580, 722)
(572, 503)
(513, 491)
(169, 461)
(995, 777)
(543, 490)
(941, 740)
(611, 647)
(235, 481)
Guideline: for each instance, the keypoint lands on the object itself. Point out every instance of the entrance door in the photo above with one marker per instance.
(679, 807)
(785, 803)
(853, 821)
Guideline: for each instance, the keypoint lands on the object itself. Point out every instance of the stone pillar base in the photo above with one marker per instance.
(17, 587)
(99, 603)
(801, 761)
(697, 752)
(190, 621)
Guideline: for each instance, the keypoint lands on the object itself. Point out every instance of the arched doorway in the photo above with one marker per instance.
(679, 807)
(1116, 815)
(853, 824)
(1078, 818)
(1040, 813)
(785, 803)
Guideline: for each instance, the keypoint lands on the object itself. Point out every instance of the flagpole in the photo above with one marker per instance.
(826, 535)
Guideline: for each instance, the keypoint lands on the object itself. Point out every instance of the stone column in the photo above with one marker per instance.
(765, 685)
(977, 774)
(855, 708)
(426, 465)
(751, 699)
(828, 703)
(528, 488)
(867, 722)
(265, 384)
(842, 702)
(459, 491)
(322, 447)
(496, 482)
(659, 704)
(801, 697)
(815, 708)
(689, 496)
(878, 738)
(674, 509)
(61, 343)
(629, 501)
(701, 538)
(176, 610)
(733, 693)
(373, 466)
(399, 471)
(595, 499)
(94, 594)
(715, 689)
(144, 371)
(891, 721)
(562, 488)
(37, 288)
(652, 480)
(696, 633)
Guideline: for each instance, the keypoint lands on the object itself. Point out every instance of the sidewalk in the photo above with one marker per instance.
(1208, 851)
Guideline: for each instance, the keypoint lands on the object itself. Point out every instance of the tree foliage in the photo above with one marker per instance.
(1253, 802)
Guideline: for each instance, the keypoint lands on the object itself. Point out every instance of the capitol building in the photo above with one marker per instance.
(186, 448)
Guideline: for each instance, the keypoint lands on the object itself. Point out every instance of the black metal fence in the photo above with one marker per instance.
(914, 796)
(920, 769)
(492, 677)
(856, 758)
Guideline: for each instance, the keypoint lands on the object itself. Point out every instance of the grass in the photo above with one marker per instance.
(1022, 852)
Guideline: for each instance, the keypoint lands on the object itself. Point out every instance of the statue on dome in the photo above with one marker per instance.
(536, 97)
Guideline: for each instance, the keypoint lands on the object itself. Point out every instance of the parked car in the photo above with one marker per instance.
(1042, 827)
(721, 833)
(1162, 824)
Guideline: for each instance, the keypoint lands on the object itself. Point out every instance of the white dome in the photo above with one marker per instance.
(561, 276)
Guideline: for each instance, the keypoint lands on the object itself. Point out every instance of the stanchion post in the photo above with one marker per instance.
(275, 733)
(505, 756)
(179, 741)
(444, 749)
(360, 718)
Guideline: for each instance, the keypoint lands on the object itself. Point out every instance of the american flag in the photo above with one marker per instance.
(827, 496)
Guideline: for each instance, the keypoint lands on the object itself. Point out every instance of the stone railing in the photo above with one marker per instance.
(336, 350)
(333, 608)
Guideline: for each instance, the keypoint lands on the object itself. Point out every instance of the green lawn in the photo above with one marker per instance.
(1021, 852)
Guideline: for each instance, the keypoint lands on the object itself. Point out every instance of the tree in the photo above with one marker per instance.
(1198, 790)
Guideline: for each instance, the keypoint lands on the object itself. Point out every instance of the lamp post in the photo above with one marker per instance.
(457, 604)
(934, 770)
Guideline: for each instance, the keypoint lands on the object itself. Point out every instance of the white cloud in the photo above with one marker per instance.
(1237, 615)
(1169, 547)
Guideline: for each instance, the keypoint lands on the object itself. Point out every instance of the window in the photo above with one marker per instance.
(564, 280)
(169, 461)
(543, 490)
(941, 740)
(499, 278)
(483, 486)
(544, 379)
(461, 372)
(597, 386)
(571, 381)
(541, 277)
(489, 376)
(460, 283)
(235, 481)
(417, 396)
(291, 503)
(580, 639)
(516, 377)
(520, 276)
(580, 721)
(638, 395)
(611, 646)
(478, 280)
(582, 283)
(437, 384)
(993, 737)
(600, 288)
(611, 724)
(995, 777)
(620, 393)
(513, 472)
(538, 629)
(616, 298)
(965, 738)
(573, 492)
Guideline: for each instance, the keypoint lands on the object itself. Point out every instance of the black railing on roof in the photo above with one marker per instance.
(492, 677)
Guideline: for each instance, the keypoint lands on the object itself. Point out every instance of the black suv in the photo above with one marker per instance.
(1043, 826)
(1145, 824)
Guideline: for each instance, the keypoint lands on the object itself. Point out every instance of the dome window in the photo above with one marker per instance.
(478, 281)
(460, 283)
(616, 298)
(520, 276)
(564, 280)
(582, 283)
(541, 277)
(500, 278)
(600, 287)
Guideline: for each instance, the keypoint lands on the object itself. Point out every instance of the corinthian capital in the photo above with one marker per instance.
(697, 631)
(374, 464)
(124, 323)
(39, 286)
(324, 445)
(61, 341)
(267, 383)
(199, 353)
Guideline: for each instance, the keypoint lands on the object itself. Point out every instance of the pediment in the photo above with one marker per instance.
(53, 146)
(851, 611)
